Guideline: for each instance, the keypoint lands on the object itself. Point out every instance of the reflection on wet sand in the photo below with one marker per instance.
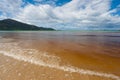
(59, 56)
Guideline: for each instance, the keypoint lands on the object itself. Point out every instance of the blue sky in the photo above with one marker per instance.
(57, 2)
(115, 3)
(64, 14)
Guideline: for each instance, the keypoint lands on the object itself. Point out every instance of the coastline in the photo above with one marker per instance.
(62, 51)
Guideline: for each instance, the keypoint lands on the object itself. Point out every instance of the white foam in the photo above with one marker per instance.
(47, 61)
(64, 68)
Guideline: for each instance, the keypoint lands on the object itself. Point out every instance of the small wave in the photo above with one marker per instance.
(46, 60)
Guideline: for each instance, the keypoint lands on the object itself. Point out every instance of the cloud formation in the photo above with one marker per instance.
(50, 2)
(10, 7)
(76, 14)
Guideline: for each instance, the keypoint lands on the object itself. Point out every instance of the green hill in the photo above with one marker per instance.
(9, 24)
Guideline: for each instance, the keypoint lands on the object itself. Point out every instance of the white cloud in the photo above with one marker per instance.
(118, 6)
(38, 0)
(3, 16)
(75, 14)
(10, 7)
(50, 2)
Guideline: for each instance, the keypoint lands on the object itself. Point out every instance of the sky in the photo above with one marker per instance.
(64, 14)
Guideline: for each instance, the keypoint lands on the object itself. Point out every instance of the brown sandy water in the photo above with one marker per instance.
(59, 55)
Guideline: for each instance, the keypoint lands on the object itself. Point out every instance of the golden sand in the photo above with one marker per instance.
(54, 58)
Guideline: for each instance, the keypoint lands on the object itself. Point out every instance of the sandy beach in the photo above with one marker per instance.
(59, 56)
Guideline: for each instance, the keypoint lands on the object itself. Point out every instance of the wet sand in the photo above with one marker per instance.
(59, 56)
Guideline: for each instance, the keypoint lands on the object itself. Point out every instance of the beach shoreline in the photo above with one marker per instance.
(66, 57)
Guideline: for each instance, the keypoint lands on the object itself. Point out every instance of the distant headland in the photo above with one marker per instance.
(13, 25)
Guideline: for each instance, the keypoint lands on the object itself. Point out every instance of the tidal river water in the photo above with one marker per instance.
(59, 55)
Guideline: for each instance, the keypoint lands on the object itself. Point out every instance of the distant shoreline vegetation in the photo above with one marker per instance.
(92, 30)
(60, 30)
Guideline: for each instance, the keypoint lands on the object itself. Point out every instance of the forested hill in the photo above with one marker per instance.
(10, 24)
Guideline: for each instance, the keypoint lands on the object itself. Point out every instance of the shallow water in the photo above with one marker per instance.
(59, 55)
